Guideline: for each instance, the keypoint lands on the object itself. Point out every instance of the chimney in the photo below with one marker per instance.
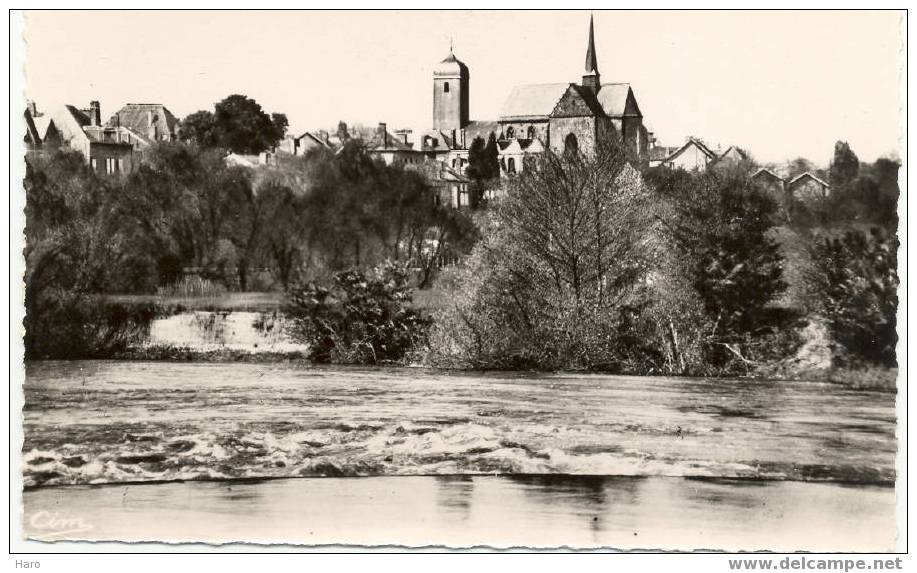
(383, 134)
(33, 109)
(95, 114)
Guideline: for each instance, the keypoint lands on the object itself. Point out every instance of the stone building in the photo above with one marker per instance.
(534, 118)
(152, 121)
(110, 149)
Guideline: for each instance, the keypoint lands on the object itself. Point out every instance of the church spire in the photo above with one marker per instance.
(591, 78)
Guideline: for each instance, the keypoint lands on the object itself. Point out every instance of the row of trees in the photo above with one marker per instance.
(588, 264)
(185, 208)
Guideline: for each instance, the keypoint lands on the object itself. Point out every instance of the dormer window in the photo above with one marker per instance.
(446, 87)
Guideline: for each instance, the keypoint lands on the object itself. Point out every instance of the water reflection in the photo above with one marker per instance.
(540, 511)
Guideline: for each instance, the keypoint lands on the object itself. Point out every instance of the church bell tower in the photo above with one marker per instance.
(450, 94)
(592, 79)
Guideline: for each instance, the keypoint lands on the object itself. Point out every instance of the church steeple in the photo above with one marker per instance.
(591, 78)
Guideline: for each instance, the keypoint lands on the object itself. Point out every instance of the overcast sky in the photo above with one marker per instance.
(781, 84)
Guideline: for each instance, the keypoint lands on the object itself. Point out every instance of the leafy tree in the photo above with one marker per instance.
(858, 281)
(556, 278)
(483, 166)
(720, 223)
(238, 124)
(360, 318)
(200, 128)
(844, 166)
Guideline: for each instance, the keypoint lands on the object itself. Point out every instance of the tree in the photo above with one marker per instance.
(199, 128)
(556, 279)
(483, 166)
(845, 165)
(858, 282)
(359, 318)
(720, 223)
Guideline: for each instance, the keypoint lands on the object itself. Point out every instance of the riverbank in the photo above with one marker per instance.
(471, 511)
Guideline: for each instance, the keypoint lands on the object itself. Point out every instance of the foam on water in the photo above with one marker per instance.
(127, 422)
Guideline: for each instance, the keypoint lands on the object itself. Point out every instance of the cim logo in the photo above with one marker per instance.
(53, 524)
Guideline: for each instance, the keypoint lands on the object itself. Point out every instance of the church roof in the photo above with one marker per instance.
(614, 99)
(592, 61)
(532, 101)
(451, 67)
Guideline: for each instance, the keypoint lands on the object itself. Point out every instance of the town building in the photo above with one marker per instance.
(808, 188)
(693, 155)
(109, 149)
(559, 117)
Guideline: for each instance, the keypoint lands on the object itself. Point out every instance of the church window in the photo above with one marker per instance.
(571, 145)
(446, 87)
(511, 165)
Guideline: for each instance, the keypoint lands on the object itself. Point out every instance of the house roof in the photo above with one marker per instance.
(765, 172)
(733, 152)
(618, 100)
(137, 117)
(661, 152)
(391, 142)
(692, 142)
(807, 175)
(532, 101)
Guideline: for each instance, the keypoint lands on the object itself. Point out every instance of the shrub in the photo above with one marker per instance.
(192, 287)
(65, 325)
(360, 318)
(858, 280)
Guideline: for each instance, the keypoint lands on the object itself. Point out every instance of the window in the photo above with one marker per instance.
(111, 165)
(571, 145)
(94, 164)
(531, 132)
(511, 165)
(446, 87)
(510, 132)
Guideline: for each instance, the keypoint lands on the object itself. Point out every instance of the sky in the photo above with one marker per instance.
(780, 84)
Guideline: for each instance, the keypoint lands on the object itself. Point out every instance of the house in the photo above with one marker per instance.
(112, 148)
(152, 121)
(731, 157)
(450, 187)
(807, 187)
(393, 148)
(292, 145)
(693, 155)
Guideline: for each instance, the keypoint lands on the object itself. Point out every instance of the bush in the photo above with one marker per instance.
(69, 326)
(360, 318)
(192, 287)
(858, 281)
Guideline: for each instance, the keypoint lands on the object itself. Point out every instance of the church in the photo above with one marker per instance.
(534, 118)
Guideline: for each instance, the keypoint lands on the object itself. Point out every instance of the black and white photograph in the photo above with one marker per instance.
(460, 280)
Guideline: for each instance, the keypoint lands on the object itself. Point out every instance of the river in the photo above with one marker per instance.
(751, 456)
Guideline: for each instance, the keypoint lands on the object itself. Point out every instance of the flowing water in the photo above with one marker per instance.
(102, 422)
(682, 463)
